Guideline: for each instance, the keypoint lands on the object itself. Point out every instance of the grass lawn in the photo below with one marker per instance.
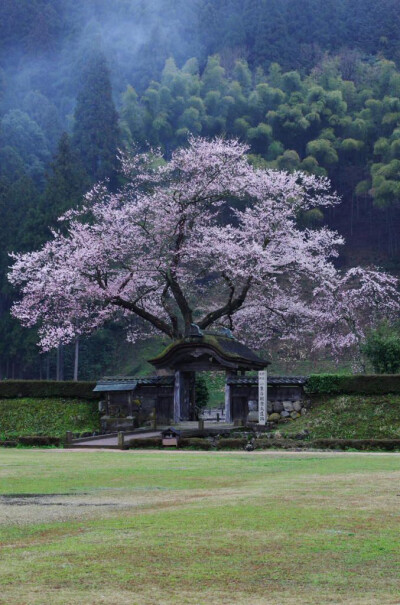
(201, 528)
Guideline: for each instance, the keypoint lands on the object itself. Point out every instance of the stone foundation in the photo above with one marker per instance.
(278, 410)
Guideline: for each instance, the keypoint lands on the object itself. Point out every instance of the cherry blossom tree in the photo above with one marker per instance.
(204, 238)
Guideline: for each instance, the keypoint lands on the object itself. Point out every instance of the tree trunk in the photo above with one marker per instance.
(76, 359)
(60, 363)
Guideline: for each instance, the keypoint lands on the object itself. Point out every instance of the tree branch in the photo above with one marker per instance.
(230, 307)
(173, 318)
(180, 298)
(160, 324)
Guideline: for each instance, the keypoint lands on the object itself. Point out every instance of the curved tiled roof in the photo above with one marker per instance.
(228, 351)
(128, 383)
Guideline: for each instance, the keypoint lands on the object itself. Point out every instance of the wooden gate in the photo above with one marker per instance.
(164, 409)
(240, 408)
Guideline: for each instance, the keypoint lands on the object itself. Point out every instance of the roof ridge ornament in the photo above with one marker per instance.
(226, 332)
(195, 331)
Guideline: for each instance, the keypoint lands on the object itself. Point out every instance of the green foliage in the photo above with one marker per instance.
(324, 383)
(323, 151)
(48, 417)
(202, 395)
(382, 349)
(19, 131)
(66, 183)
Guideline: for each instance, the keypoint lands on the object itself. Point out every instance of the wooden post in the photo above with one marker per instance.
(58, 364)
(185, 388)
(177, 396)
(76, 360)
(201, 424)
(130, 404)
(68, 438)
(192, 410)
(228, 400)
(121, 440)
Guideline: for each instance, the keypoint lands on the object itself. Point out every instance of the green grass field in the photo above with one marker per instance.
(200, 528)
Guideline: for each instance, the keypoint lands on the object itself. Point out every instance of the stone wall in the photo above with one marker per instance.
(287, 408)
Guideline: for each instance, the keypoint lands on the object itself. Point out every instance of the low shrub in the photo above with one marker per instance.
(231, 444)
(8, 443)
(39, 440)
(358, 444)
(146, 442)
(195, 443)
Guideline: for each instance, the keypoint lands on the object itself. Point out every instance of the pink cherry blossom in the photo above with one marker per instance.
(204, 238)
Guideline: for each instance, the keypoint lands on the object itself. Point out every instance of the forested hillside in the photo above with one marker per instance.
(310, 85)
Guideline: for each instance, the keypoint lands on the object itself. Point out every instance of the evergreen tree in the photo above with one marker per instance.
(271, 38)
(96, 133)
(66, 183)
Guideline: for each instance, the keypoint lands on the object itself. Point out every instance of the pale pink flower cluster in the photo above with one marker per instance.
(203, 238)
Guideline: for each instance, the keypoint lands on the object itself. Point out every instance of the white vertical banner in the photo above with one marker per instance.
(262, 397)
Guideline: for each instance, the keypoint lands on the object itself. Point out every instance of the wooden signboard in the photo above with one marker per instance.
(168, 441)
(262, 397)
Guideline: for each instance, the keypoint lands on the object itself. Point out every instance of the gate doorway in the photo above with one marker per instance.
(206, 351)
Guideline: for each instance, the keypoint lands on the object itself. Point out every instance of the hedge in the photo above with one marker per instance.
(144, 443)
(378, 384)
(47, 417)
(39, 440)
(195, 443)
(285, 444)
(12, 389)
(362, 384)
(231, 444)
(34, 440)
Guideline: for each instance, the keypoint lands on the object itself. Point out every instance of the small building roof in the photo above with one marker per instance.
(127, 383)
(207, 351)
